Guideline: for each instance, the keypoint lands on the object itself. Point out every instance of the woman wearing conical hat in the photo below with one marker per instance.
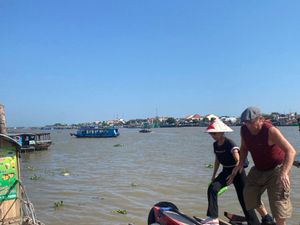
(226, 154)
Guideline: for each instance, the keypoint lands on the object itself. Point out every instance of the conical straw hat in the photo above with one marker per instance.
(218, 126)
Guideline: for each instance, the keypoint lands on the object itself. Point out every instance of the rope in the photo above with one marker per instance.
(29, 217)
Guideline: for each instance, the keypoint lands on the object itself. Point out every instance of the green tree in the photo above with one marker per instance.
(171, 120)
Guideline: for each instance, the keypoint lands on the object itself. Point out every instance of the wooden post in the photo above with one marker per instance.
(2, 120)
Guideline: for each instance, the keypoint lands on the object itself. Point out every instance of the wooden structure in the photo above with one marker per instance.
(15, 207)
(10, 206)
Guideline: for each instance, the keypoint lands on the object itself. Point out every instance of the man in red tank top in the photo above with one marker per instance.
(273, 158)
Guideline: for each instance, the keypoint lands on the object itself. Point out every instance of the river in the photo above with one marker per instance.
(97, 177)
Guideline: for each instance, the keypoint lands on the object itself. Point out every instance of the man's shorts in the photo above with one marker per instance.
(259, 181)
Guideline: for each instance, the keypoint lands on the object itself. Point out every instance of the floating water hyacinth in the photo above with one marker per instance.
(65, 172)
(134, 184)
(35, 177)
(120, 211)
(209, 165)
(30, 168)
(58, 204)
(118, 145)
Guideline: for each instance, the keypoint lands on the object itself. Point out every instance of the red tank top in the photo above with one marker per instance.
(265, 157)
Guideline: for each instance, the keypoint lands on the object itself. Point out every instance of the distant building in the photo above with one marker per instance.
(229, 119)
(118, 122)
(193, 117)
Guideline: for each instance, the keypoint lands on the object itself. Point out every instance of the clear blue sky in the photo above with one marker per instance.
(74, 61)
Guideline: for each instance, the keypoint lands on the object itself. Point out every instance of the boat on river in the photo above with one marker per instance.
(96, 132)
(145, 128)
(32, 141)
(166, 213)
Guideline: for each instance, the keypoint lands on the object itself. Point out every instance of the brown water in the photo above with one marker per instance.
(168, 164)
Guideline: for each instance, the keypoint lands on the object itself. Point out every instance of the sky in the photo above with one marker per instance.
(73, 61)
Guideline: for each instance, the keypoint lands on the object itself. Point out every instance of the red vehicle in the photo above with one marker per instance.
(166, 213)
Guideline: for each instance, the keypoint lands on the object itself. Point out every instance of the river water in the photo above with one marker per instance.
(97, 177)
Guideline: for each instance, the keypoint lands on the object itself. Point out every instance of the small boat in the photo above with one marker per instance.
(96, 132)
(166, 213)
(32, 141)
(145, 130)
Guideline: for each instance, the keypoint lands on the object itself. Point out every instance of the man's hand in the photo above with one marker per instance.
(234, 172)
(284, 180)
(212, 178)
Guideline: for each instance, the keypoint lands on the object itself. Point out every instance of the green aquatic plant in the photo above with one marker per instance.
(118, 145)
(35, 177)
(209, 165)
(58, 204)
(120, 211)
(134, 184)
(30, 168)
(65, 172)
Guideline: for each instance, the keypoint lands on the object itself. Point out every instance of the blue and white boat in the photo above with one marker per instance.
(96, 132)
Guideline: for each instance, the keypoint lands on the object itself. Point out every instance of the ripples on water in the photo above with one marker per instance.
(168, 164)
